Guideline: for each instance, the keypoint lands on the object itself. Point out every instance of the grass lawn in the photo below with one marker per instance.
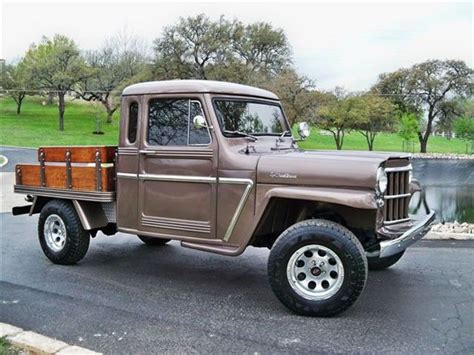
(2, 160)
(37, 125)
(383, 141)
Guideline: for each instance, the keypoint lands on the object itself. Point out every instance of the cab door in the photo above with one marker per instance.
(177, 170)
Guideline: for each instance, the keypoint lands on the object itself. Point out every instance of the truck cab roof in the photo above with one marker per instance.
(196, 86)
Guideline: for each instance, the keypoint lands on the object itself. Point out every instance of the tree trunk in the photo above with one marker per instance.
(21, 96)
(110, 110)
(370, 140)
(62, 108)
(423, 138)
(423, 145)
(339, 140)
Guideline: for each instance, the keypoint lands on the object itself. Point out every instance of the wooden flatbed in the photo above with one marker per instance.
(86, 173)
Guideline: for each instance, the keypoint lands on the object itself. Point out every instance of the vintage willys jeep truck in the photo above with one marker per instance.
(214, 165)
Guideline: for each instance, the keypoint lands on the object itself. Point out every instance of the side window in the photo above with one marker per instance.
(132, 122)
(170, 122)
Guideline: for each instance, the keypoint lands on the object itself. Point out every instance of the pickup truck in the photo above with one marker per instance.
(214, 165)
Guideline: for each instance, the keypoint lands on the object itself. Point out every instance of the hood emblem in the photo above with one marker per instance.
(277, 175)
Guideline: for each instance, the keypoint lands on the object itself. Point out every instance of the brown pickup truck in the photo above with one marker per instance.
(214, 165)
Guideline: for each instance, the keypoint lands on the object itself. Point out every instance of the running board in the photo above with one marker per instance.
(226, 249)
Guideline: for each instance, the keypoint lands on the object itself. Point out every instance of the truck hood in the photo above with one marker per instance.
(323, 168)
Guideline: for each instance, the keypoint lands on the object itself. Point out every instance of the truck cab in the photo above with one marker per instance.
(215, 166)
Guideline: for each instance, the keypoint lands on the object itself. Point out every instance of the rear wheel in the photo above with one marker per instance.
(152, 241)
(376, 263)
(317, 268)
(63, 239)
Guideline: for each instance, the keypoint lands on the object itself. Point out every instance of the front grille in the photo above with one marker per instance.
(397, 196)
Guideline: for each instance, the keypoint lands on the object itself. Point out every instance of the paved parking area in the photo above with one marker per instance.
(125, 297)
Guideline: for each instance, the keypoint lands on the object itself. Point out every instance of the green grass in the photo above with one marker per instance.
(6, 348)
(383, 142)
(37, 125)
(2, 160)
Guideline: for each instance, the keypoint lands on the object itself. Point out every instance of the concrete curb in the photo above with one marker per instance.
(5, 162)
(39, 344)
(448, 236)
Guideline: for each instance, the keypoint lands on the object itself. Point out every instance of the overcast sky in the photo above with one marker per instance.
(335, 44)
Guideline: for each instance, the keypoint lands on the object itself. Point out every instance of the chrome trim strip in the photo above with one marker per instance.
(240, 206)
(178, 178)
(401, 168)
(391, 197)
(127, 175)
(190, 154)
(95, 196)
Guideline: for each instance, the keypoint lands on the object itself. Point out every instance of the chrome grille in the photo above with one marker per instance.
(397, 197)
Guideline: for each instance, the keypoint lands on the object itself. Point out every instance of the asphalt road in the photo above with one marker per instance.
(125, 297)
(17, 155)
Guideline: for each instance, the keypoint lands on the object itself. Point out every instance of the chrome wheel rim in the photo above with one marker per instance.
(55, 232)
(315, 272)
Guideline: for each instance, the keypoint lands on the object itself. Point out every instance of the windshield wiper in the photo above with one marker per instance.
(242, 134)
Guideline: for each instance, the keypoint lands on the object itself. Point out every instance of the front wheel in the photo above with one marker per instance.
(317, 268)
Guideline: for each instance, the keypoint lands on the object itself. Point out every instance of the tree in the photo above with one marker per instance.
(464, 128)
(338, 115)
(408, 127)
(187, 50)
(199, 48)
(14, 82)
(450, 110)
(261, 48)
(375, 114)
(120, 60)
(56, 65)
(297, 94)
(425, 87)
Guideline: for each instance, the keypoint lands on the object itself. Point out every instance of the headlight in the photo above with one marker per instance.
(382, 180)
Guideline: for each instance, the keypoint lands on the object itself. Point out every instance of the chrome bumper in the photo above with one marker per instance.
(412, 235)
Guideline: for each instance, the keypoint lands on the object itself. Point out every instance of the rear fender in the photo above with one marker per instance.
(91, 214)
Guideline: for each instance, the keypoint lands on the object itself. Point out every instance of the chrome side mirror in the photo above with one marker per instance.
(303, 130)
(199, 122)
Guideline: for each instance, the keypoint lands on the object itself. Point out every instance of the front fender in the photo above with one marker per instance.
(364, 199)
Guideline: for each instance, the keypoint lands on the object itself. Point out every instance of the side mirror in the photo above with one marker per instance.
(303, 130)
(199, 122)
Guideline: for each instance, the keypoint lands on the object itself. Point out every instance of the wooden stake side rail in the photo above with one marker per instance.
(72, 168)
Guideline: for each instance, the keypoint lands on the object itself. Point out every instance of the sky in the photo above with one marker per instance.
(335, 44)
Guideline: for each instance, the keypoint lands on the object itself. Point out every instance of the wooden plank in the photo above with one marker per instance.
(78, 154)
(83, 177)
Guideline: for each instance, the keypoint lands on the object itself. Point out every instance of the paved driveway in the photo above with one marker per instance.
(125, 297)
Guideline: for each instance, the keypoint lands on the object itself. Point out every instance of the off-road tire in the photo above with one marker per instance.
(77, 238)
(152, 241)
(333, 236)
(377, 264)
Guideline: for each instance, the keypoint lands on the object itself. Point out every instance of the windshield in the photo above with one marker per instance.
(249, 117)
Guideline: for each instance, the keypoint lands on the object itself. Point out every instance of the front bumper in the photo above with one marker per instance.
(410, 236)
